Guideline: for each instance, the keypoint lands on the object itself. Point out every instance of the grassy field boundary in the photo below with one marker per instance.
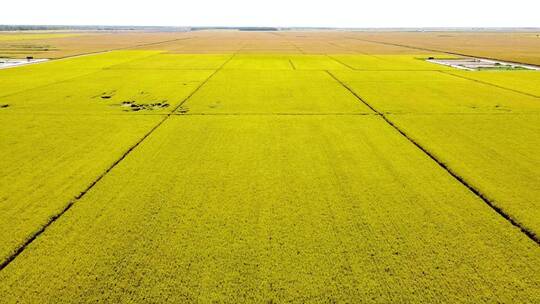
(530, 234)
(72, 202)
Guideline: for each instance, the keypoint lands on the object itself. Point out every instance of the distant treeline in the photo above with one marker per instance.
(244, 28)
(130, 28)
(90, 28)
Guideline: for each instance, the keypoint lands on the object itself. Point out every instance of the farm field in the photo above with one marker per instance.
(24, 36)
(492, 151)
(266, 167)
(524, 82)
(61, 45)
(434, 92)
(47, 160)
(188, 215)
(52, 72)
(512, 46)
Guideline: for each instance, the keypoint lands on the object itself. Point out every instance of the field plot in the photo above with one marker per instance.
(355, 46)
(66, 130)
(111, 91)
(279, 43)
(389, 62)
(293, 92)
(37, 75)
(201, 43)
(433, 92)
(499, 154)
(259, 62)
(177, 62)
(511, 46)
(315, 62)
(24, 36)
(61, 45)
(268, 167)
(47, 160)
(527, 82)
(339, 208)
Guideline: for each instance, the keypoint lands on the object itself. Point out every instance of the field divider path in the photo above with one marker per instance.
(488, 83)
(341, 62)
(530, 234)
(72, 202)
(292, 64)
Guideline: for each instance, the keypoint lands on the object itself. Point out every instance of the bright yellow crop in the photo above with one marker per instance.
(277, 208)
(496, 153)
(264, 178)
(434, 92)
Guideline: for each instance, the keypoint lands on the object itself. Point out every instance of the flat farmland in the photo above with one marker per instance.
(389, 62)
(187, 218)
(52, 72)
(111, 91)
(301, 167)
(492, 151)
(434, 92)
(61, 45)
(257, 91)
(512, 46)
(525, 82)
(34, 36)
(47, 160)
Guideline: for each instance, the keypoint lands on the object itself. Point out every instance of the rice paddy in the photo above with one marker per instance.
(233, 167)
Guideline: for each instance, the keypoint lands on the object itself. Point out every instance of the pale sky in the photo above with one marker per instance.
(329, 13)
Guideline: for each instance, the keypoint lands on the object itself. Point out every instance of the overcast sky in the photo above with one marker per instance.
(331, 13)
